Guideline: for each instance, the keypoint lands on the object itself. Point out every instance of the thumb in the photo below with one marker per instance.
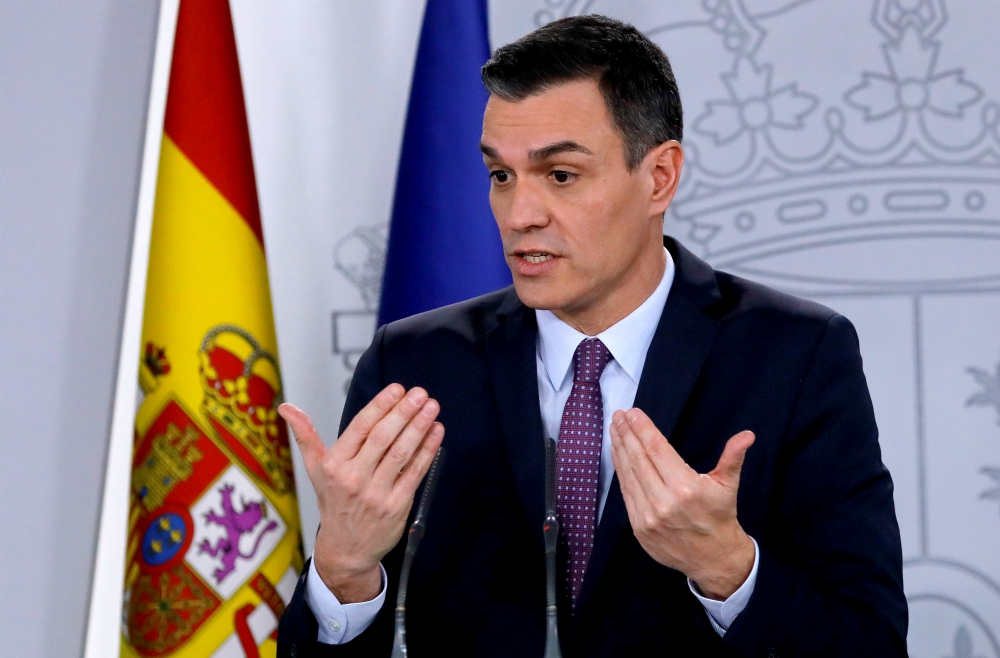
(305, 435)
(727, 471)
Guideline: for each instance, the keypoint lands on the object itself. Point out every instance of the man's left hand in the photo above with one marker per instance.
(683, 519)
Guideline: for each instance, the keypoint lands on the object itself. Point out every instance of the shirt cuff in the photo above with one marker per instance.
(722, 614)
(340, 622)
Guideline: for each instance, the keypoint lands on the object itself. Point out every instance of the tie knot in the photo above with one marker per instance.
(591, 357)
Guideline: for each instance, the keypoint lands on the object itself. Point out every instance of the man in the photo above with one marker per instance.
(653, 372)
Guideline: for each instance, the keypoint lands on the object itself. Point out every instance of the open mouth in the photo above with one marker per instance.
(536, 256)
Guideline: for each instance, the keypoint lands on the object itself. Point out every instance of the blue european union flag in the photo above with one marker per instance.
(443, 243)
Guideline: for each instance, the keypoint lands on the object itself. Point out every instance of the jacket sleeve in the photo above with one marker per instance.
(298, 628)
(830, 579)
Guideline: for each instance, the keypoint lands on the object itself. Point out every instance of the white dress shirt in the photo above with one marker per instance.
(628, 341)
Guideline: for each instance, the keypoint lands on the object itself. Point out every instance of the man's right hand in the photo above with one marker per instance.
(365, 483)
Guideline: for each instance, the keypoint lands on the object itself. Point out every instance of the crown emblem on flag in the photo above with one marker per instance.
(242, 391)
(153, 365)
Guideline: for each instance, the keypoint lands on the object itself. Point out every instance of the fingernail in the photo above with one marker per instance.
(632, 415)
(417, 395)
(429, 409)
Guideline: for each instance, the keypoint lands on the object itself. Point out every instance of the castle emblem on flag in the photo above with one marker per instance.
(170, 460)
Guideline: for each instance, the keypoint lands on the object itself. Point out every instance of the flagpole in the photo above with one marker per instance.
(106, 591)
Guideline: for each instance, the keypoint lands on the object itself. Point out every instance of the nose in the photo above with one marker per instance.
(527, 208)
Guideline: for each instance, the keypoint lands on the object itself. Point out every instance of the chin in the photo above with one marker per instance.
(539, 295)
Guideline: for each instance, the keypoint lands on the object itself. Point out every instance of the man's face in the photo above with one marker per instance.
(575, 222)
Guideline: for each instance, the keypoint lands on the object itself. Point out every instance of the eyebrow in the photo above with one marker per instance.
(565, 146)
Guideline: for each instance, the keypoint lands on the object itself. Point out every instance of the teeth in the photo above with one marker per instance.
(537, 257)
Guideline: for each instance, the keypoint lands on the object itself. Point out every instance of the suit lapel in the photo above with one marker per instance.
(510, 354)
(680, 346)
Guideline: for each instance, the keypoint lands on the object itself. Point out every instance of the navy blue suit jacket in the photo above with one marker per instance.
(727, 355)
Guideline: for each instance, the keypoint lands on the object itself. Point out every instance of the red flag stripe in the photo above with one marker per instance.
(205, 115)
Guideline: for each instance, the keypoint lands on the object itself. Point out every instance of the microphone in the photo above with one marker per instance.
(412, 541)
(550, 530)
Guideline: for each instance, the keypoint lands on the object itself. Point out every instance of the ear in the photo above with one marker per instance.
(664, 165)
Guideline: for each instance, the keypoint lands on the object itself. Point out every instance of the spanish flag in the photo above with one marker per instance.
(214, 546)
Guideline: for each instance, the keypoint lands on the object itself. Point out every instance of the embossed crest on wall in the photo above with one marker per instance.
(360, 258)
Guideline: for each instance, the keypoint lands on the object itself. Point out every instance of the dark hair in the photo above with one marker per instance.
(633, 74)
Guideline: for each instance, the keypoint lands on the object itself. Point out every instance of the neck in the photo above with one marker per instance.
(626, 295)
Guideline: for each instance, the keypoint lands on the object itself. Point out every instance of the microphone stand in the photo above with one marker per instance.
(550, 529)
(413, 540)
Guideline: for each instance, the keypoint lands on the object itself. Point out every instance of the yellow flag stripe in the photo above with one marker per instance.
(206, 267)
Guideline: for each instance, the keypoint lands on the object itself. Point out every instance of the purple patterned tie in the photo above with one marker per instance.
(578, 457)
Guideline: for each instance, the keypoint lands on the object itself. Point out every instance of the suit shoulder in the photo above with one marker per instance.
(777, 323)
(742, 297)
(468, 320)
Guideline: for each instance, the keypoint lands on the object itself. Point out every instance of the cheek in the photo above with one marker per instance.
(500, 208)
(625, 224)
(597, 229)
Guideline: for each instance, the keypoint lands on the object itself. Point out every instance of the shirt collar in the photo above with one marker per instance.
(628, 340)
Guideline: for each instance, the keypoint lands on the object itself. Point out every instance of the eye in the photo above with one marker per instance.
(500, 176)
(561, 177)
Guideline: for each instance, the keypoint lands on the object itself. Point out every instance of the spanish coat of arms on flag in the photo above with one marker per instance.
(214, 547)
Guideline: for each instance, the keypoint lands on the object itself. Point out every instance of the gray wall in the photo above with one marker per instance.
(74, 80)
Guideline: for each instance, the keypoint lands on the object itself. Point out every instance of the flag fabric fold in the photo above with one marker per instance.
(444, 245)
(214, 548)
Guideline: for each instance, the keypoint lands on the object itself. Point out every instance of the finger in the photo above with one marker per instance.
(618, 457)
(361, 425)
(402, 449)
(305, 435)
(414, 471)
(727, 471)
(386, 430)
(661, 454)
(623, 469)
(635, 500)
(619, 452)
(619, 461)
(646, 473)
